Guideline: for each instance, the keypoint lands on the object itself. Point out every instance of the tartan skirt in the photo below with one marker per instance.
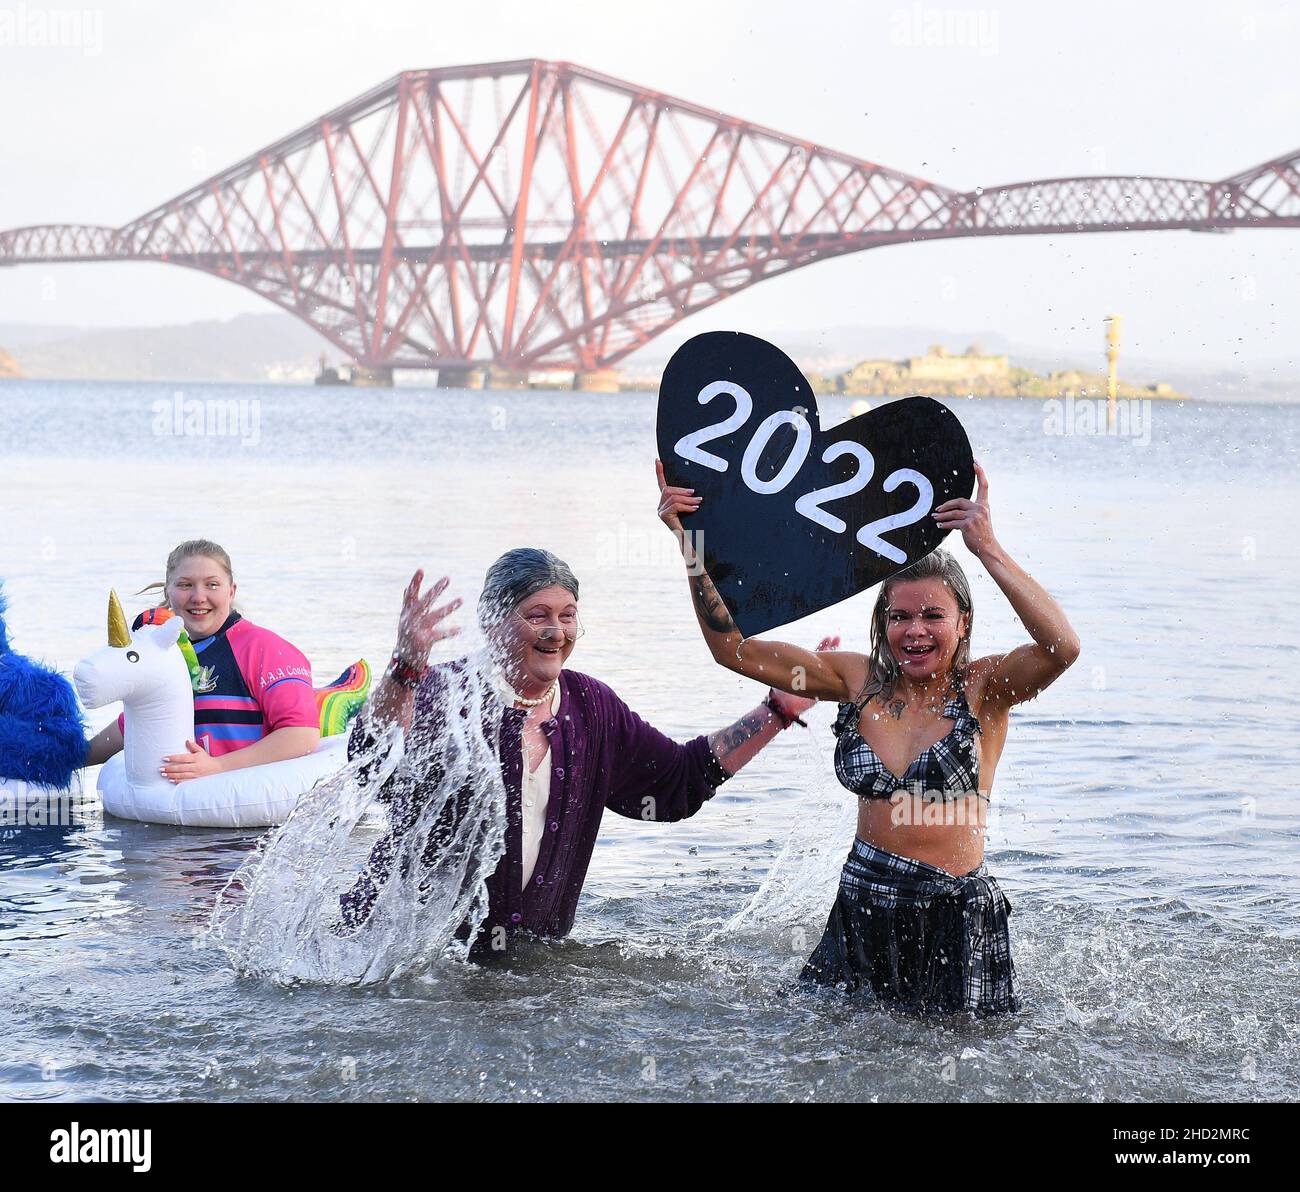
(917, 938)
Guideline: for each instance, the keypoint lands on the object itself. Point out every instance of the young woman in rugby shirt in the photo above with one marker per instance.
(254, 703)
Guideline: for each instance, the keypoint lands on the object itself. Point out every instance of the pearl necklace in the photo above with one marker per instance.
(519, 699)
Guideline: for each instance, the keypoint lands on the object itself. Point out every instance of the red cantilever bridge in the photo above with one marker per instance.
(537, 215)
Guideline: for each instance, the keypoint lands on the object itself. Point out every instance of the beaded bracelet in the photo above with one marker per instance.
(786, 721)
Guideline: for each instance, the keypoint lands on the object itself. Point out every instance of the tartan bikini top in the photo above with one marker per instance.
(947, 769)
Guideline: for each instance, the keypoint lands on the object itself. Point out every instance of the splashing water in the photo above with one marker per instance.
(279, 916)
(801, 881)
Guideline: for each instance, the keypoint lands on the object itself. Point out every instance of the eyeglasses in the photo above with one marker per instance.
(555, 632)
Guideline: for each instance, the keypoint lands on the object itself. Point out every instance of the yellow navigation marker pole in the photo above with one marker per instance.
(1112, 358)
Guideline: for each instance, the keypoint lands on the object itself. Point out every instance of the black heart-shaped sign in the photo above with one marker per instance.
(794, 518)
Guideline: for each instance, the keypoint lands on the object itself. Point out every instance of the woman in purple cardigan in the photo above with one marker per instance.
(569, 747)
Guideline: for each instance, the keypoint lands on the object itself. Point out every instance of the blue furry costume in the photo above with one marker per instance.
(42, 734)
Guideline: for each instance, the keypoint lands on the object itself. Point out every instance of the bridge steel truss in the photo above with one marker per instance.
(538, 215)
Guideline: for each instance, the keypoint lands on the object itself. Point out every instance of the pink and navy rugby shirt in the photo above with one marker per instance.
(252, 683)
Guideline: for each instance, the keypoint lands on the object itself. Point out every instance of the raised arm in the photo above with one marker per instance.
(393, 701)
(1022, 673)
(418, 627)
(816, 674)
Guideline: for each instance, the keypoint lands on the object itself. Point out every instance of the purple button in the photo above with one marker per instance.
(540, 880)
(559, 771)
(516, 918)
(555, 825)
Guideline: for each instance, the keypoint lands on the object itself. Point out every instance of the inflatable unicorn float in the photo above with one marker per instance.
(152, 671)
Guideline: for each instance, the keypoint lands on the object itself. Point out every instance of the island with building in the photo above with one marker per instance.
(940, 373)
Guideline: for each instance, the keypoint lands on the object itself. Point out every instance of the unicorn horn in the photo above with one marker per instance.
(117, 633)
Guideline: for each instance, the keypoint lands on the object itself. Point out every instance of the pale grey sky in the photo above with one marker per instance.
(158, 95)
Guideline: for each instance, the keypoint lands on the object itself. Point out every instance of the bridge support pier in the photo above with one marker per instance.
(460, 378)
(596, 380)
(372, 378)
(505, 378)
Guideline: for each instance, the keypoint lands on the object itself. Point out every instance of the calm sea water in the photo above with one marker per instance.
(1146, 827)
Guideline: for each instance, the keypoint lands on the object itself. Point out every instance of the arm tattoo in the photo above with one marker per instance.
(712, 611)
(730, 739)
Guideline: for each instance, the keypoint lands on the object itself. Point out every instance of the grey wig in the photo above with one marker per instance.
(938, 564)
(517, 575)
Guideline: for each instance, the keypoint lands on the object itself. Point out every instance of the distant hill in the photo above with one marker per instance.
(278, 347)
(252, 347)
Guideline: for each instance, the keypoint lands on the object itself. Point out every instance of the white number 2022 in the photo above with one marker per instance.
(690, 447)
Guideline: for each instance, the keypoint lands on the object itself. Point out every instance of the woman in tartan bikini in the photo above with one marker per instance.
(917, 921)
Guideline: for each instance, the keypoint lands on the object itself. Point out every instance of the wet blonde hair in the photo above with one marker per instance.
(938, 564)
(187, 550)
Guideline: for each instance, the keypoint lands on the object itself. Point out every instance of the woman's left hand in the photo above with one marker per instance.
(970, 517)
(796, 705)
(181, 767)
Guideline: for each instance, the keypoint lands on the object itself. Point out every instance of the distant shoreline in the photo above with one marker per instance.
(630, 389)
(278, 349)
